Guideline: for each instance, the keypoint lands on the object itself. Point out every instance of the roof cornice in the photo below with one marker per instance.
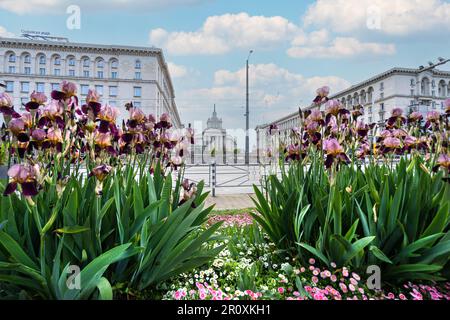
(393, 71)
(79, 47)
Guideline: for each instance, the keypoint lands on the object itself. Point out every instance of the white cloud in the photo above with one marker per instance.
(394, 17)
(274, 91)
(341, 47)
(59, 6)
(220, 34)
(177, 71)
(5, 33)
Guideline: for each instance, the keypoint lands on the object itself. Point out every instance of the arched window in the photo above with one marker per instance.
(86, 62)
(100, 63)
(12, 57)
(71, 61)
(42, 59)
(57, 60)
(27, 58)
(442, 89)
(114, 64)
(425, 86)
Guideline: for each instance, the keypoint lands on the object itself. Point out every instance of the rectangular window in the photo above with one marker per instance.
(12, 69)
(113, 91)
(55, 86)
(137, 104)
(370, 119)
(9, 86)
(114, 75)
(25, 87)
(99, 89)
(137, 91)
(71, 62)
(100, 74)
(40, 87)
(412, 92)
(382, 86)
(382, 95)
(137, 76)
(86, 74)
(84, 89)
(42, 71)
(57, 72)
(27, 70)
(113, 103)
(370, 109)
(382, 107)
(71, 73)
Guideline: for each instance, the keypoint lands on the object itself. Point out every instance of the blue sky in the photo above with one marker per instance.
(299, 45)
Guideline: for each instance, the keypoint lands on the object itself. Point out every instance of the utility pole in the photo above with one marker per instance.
(247, 114)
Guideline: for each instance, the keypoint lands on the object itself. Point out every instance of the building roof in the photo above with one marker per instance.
(396, 70)
(94, 48)
(214, 122)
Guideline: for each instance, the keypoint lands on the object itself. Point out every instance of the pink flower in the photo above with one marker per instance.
(38, 97)
(69, 88)
(415, 116)
(280, 290)
(343, 287)
(5, 100)
(108, 113)
(332, 147)
(333, 278)
(333, 107)
(315, 279)
(402, 296)
(397, 112)
(351, 287)
(433, 116)
(345, 272)
(312, 261)
(391, 142)
(323, 91)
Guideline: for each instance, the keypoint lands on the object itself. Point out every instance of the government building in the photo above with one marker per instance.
(422, 89)
(120, 74)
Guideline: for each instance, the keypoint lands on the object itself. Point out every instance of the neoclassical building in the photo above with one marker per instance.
(213, 143)
(120, 74)
(422, 89)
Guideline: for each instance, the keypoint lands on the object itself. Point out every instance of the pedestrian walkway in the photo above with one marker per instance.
(231, 201)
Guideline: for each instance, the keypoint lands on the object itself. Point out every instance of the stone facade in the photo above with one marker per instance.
(120, 73)
(410, 89)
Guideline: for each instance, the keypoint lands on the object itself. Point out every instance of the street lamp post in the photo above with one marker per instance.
(247, 113)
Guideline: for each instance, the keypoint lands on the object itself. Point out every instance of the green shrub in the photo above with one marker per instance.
(135, 233)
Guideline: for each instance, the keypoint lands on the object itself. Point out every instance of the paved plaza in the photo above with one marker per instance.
(231, 201)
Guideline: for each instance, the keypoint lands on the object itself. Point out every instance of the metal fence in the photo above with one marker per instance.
(222, 178)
